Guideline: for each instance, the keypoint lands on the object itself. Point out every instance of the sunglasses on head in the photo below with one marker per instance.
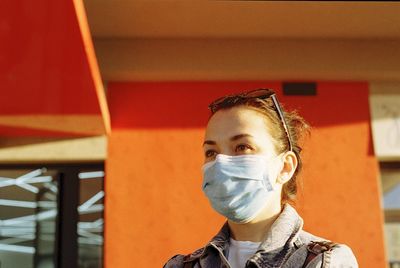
(262, 93)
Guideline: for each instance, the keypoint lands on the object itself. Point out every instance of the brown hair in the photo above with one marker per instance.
(298, 128)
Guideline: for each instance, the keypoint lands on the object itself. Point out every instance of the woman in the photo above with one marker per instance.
(252, 160)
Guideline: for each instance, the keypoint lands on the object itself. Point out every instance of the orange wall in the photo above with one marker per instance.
(155, 207)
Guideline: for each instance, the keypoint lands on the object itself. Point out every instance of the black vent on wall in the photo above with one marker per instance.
(299, 89)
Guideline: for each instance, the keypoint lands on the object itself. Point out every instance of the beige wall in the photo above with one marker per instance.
(249, 59)
(52, 150)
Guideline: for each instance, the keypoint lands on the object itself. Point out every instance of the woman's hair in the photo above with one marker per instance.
(296, 126)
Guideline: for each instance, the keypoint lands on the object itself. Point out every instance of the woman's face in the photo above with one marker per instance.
(237, 131)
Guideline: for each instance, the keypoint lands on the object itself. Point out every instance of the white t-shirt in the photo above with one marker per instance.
(240, 252)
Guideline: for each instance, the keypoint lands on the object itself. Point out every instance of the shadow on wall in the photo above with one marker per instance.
(184, 104)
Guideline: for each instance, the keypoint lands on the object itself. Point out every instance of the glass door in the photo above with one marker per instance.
(51, 215)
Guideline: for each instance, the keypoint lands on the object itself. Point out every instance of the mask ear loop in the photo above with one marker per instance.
(281, 162)
(271, 179)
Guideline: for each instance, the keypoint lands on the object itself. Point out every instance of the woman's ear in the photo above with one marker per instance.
(289, 167)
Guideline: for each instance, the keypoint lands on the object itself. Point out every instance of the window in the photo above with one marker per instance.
(51, 215)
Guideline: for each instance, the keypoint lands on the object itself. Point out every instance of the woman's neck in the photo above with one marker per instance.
(256, 229)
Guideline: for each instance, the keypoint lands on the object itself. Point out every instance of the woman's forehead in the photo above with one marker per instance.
(236, 121)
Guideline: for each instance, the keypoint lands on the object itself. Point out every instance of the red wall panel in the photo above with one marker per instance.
(44, 67)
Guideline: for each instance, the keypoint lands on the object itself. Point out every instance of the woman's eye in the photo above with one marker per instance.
(210, 153)
(242, 148)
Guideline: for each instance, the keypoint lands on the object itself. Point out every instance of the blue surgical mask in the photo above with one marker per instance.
(238, 187)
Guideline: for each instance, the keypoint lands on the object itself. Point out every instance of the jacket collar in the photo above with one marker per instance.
(277, 244)
(284, 230)
(280, 240)
(219, 242)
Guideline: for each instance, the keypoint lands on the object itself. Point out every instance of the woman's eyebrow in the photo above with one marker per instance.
(209, 142)
(234, 138)
(240, 136)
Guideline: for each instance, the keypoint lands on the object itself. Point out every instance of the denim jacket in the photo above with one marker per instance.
(285, 245)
